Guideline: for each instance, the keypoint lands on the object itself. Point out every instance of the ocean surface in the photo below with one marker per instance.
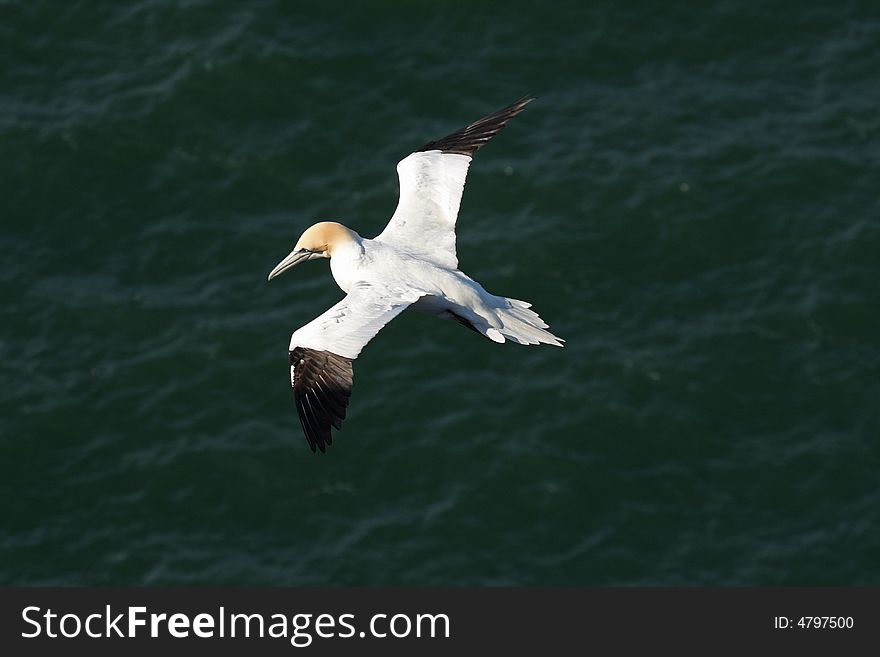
(692, 202)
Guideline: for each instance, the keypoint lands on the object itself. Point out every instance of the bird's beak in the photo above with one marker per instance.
(294, 258)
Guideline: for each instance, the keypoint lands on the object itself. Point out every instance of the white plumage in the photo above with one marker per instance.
(431, 185)
(411, 264)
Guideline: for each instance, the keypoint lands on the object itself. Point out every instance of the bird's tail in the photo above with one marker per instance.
(521, 325)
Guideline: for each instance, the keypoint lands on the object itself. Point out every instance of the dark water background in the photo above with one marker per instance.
(693, 203)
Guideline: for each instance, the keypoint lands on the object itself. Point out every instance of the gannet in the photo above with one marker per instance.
(411, 264)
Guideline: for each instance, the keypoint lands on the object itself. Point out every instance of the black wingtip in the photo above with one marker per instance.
(322, 384)
(472, 137)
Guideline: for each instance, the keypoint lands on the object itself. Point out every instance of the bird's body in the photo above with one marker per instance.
(411, 264)
(436, 289)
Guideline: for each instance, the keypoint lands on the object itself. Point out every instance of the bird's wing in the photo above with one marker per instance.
(431, 182)
(322, 351)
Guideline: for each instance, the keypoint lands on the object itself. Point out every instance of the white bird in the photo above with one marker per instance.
(411, 264)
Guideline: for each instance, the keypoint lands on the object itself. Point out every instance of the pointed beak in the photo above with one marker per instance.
(294, 258)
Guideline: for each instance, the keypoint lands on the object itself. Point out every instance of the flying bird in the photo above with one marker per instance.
(411, 264)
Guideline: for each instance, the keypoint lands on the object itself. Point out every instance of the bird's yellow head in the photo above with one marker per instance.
(317, 241)
(322, 237)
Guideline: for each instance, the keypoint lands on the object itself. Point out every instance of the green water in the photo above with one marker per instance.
(692, 202)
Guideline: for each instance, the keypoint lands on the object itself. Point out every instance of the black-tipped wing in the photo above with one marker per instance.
(322, 351)
(322, 384)
(431, 183)
(471, 138)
